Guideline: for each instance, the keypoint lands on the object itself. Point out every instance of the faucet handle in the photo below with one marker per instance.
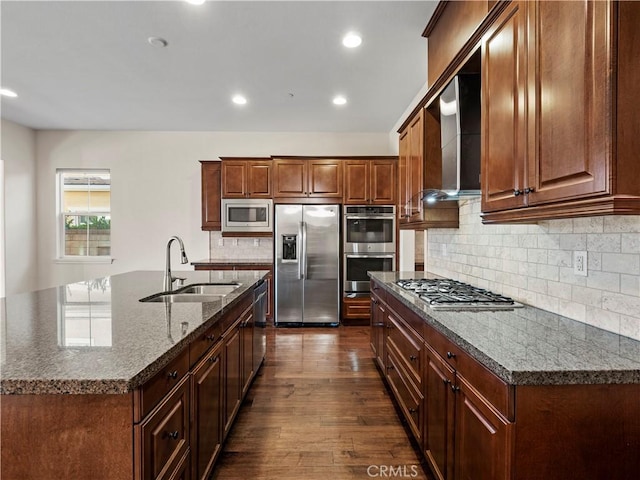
(179, 279)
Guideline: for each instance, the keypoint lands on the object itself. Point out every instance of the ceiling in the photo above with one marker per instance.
(88, 65)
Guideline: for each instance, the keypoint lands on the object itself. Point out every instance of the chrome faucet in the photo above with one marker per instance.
(168, 277)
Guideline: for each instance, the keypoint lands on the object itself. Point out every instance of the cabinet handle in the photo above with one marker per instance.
(455, 388)
(412, 357)
(517, 192)
(173, 375)
(210, 338)
(389, 367)
(173, 435)
(213, 359)
(446, 381)
(412, 410)
(375, 302)
(451, 355)
(529, 190)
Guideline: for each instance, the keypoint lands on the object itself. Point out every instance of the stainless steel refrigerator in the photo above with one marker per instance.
(307, 261)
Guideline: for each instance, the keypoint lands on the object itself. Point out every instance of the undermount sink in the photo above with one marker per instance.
(198, 293)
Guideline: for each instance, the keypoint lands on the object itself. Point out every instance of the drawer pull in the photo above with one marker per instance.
(211, 337)
(451, 355)
(172, 375)
(412, 357)
(173, 435)
(213, 359)
(455, 388)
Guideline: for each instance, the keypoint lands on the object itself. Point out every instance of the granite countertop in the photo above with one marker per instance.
(528, 346)
(95, 337)
(232, 261)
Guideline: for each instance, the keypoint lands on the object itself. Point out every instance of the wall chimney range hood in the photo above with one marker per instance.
(460, 139)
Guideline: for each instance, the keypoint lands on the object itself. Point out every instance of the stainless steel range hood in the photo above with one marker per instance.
(460, 139)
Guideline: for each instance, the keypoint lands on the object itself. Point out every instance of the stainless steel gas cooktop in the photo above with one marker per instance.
(444, 294)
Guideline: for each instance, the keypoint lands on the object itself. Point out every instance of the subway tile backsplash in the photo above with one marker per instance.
(534, 264)
(239, 248)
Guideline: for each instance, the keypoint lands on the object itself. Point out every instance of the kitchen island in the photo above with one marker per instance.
(96, 384)
(508, 394)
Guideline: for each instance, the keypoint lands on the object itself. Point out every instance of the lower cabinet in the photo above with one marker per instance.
(206, 400)
(232, 375)
(247, 328)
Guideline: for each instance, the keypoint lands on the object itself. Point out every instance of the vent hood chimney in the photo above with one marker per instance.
(460, 139)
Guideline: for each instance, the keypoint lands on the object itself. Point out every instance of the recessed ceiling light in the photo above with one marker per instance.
(352, 40)
(239, 100)
(8, 93)
(195, 2)
(339, 100)
(157, 42)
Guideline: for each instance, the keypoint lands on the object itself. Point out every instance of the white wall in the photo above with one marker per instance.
(156, 187)
(21, 229)
(534, 264)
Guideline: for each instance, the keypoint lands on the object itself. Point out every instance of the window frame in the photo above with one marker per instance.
(61, 256)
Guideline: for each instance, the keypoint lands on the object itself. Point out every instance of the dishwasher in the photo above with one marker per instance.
(260, 324)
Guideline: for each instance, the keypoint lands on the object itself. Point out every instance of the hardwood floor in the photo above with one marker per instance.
(318, 410)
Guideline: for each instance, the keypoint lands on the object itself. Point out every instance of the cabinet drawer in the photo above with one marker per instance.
(163, 438)
(200, 345)
(356, 307)
(407, 395)
(162, 383)
(408, 346)
(492, 388)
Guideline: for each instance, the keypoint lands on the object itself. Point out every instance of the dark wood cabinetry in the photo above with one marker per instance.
(370, 181)
(211, 204)
(206, 401)
(246, 177)
(297, 179)
(247, 327)
(550, 111)
(232, 376)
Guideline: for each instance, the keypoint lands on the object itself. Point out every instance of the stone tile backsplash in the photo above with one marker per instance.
(534, 264)
(237, 248)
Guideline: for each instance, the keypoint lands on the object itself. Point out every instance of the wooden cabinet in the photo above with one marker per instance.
(206, 400)
(305, 178)
(232, 376)
(370, 181)
(163, 437)
(247, 328)
(550, 111)
(246, 177)
(411, 163)
(210, 189)
(378, 329)
(356, 310)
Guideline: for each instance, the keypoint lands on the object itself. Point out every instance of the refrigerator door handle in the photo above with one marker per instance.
(304, 252)
(301, 240)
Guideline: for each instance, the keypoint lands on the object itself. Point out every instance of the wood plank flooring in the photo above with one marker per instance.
(318, 410)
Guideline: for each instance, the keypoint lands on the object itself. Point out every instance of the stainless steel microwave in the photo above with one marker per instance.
(249, 215)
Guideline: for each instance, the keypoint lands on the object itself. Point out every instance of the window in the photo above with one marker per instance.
(84, 214)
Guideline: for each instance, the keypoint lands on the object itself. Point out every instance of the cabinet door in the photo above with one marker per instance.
(232, 376)
(325, 178)
(356, 182)
(259, 178)
(382, 182)
(210, 177)
(415, 166)
(234, 178)
(503, 110)
(207, 412)
(404, 209)
(439, 403)
(570, 56)
(482, 437)
(378, 319)
(289, 178)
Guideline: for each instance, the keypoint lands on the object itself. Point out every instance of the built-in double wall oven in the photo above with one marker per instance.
(369, 234)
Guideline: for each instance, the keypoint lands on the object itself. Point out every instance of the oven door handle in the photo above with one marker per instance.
(387, 217)
(370, 255)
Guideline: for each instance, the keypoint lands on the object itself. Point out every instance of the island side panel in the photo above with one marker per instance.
(577, 431)
(66, 436)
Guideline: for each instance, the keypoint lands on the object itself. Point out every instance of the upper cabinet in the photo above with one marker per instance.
(558, 111)
(370, 181)
(300, 179)
(210, 178)
(246, 177)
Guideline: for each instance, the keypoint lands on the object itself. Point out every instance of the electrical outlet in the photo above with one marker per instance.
(580, 263)
(256, 242)
(221, 242)
(235, 242)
